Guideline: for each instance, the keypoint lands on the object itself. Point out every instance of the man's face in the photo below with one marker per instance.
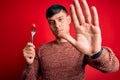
(59, 23)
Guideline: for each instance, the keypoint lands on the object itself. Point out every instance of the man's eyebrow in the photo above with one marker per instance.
(60, 17)
(50, 20)
(56, 18)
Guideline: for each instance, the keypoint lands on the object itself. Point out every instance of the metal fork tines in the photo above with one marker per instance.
(33, 31)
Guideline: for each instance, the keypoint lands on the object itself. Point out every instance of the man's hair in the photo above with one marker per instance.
(54, 9)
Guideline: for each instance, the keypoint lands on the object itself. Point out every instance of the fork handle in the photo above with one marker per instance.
(32, 39)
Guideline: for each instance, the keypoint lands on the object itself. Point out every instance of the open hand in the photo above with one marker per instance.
(88, 34)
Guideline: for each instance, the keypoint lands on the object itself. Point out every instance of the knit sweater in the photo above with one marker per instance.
(62, 61)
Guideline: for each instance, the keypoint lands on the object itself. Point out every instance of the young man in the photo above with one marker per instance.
(66, 57)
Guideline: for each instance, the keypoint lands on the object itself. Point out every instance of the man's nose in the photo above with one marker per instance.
(57, 24)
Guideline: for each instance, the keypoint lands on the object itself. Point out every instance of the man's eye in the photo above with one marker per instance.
(60, 19)
(51, 22)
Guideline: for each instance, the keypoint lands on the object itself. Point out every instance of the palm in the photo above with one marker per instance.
(88, 38)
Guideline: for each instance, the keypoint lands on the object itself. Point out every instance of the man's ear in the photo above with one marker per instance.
(69, 19)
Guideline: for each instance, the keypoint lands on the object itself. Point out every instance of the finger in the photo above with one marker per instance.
(79, 12)
(95, 19)
(74, 16)
(29, 44)
(28, 53)
(71, 40)
(86, 11)
(29, 49)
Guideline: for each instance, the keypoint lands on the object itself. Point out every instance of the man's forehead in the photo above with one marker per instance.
(58, 15)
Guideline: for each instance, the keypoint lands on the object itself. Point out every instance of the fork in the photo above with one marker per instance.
(33, 32)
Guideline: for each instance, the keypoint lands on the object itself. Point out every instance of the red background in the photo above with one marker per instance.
(16, 17)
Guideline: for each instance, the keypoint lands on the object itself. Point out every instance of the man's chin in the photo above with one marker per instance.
(58, 36)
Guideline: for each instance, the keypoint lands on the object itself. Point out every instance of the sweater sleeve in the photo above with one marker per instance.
(32, 72)
(106, 62)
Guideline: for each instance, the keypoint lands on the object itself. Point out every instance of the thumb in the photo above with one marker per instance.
(70, 39)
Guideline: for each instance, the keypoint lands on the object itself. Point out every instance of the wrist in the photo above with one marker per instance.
(96, 55)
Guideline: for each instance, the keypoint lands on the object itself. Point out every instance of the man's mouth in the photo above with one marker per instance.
(59, 30)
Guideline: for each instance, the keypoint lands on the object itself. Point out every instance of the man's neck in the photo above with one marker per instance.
(61, 40)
